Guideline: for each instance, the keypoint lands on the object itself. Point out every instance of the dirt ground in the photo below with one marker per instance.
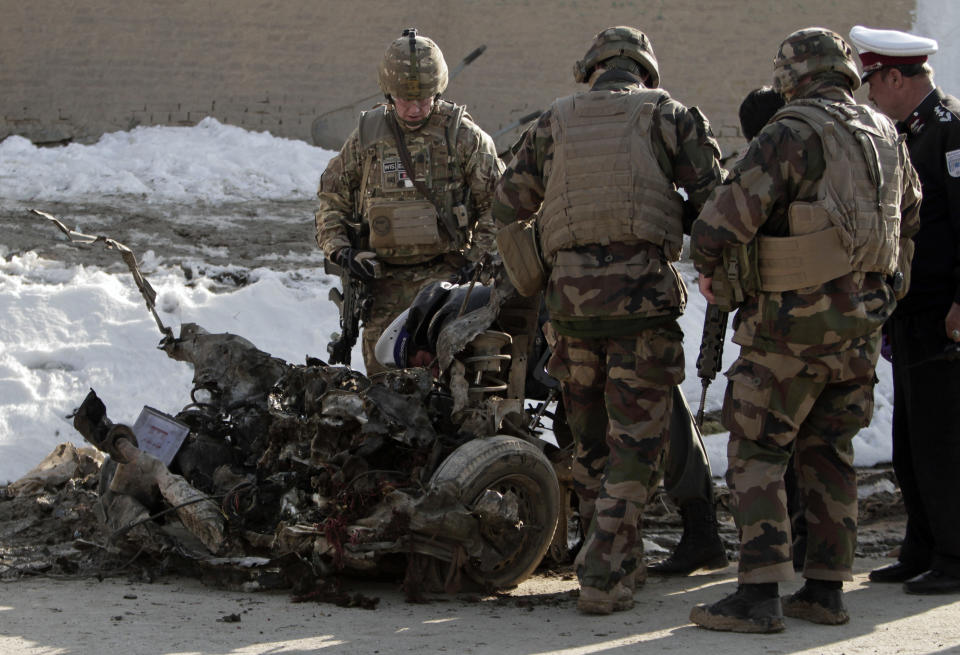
(278, 235)
(44, 616)
(58, 597)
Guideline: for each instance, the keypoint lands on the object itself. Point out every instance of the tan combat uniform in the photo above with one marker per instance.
(366, 183)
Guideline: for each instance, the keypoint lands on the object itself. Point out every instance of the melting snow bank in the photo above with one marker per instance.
(66, 329)
(209, 162)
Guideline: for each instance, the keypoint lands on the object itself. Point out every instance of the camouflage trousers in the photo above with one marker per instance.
(618, 395)
(392, 294)
(776, 404)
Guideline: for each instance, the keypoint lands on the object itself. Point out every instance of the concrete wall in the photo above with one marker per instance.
(73, 70)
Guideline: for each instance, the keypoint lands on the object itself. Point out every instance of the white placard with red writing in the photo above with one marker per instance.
(159, 434)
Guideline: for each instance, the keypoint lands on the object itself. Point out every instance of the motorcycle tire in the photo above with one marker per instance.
(507, 464)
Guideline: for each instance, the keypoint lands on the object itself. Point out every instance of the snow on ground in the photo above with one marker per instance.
(67, 328)
(209, 162)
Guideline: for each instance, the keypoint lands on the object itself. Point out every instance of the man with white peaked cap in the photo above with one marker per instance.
(924, 331)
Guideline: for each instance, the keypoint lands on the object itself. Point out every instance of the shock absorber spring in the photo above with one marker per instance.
(486, 362)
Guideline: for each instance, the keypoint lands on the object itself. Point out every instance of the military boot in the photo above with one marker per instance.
(700, 546)
(636, 578)
(597, 601)
(753, 608)
(618, 599)
(818, 601)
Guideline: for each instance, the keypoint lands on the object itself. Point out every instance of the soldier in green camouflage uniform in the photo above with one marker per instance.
(823, 167)
(602, 168)
(421, 227)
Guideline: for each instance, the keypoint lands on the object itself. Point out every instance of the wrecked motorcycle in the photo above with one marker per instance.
(294, 473)
(289, 474)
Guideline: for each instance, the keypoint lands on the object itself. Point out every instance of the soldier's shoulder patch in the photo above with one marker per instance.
(953, 163)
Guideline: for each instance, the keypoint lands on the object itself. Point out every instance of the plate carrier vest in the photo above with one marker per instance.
(606, 185)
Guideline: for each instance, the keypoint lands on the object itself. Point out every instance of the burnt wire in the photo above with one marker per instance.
(366, 473)
(231, 499)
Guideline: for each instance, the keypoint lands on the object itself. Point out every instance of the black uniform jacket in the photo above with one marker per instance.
(933, 138)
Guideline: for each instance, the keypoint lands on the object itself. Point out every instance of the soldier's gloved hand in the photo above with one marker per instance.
(361, 264)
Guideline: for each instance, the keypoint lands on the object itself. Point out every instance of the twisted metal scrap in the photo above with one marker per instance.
(147, 291)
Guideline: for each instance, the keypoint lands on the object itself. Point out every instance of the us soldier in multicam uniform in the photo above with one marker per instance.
(602, 167)
(826, 192)
(419, 235)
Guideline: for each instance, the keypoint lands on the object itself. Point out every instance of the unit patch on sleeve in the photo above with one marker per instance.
(953, 163)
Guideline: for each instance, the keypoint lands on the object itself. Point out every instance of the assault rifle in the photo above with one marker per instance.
(710, 358)
(353, 302)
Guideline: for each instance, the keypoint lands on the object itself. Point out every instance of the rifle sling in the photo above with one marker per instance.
(358, 204)
(446, 221)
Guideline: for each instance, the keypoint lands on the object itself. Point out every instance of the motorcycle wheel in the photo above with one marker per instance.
(507, 464)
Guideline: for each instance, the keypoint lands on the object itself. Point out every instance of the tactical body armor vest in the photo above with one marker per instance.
(606, 185)
(405, 227)
(854, 225)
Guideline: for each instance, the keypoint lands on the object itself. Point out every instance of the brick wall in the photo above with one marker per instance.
(72, 71)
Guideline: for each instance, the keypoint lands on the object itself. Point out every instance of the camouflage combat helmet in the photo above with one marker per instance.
(413, 68)
(809, 52)
(618, 42)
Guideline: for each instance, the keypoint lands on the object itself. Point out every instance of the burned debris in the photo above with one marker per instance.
(316, 470)
(290, 475)
(293, 474)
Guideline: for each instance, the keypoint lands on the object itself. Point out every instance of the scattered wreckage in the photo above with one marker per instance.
(290, 474)
(321, 464)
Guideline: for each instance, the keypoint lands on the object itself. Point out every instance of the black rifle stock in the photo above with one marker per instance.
(710, 358)
(353, 302)
(341, 343)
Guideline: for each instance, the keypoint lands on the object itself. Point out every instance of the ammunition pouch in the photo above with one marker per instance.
(519, 248)
(409, 226)
(736, 279)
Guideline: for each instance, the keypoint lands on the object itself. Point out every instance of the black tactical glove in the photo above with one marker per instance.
(360, 264)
